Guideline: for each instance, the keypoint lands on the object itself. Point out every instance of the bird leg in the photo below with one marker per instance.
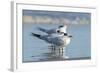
(59, 51)
(54, 49)
(62, 51)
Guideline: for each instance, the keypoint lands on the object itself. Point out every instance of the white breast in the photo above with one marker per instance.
(67, 41)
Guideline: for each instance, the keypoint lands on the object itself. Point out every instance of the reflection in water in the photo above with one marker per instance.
(51, 55)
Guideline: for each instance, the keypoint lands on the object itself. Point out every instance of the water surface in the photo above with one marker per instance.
(34, 49)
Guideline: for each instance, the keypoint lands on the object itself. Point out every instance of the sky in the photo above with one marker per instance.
(55, 17)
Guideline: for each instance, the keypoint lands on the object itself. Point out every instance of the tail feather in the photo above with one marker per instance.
(36, 35)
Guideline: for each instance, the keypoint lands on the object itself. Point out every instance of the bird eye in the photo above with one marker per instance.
(70, 36)
(58, 31)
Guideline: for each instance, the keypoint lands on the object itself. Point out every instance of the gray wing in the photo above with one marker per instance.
(56, 41)
(50, 31)
(52, 40)
(42, 29)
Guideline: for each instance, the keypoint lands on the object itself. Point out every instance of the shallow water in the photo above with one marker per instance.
(35, 49)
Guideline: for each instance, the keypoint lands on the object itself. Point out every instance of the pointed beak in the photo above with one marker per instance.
(70, 36)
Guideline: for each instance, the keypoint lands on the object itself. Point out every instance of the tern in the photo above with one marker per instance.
(58, 41)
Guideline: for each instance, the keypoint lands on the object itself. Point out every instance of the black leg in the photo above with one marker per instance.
(62, 52)
(54, 49)
(59, 51)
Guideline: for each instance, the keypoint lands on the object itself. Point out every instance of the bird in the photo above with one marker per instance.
(58, 41)
(54, 32)
(61, 28)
